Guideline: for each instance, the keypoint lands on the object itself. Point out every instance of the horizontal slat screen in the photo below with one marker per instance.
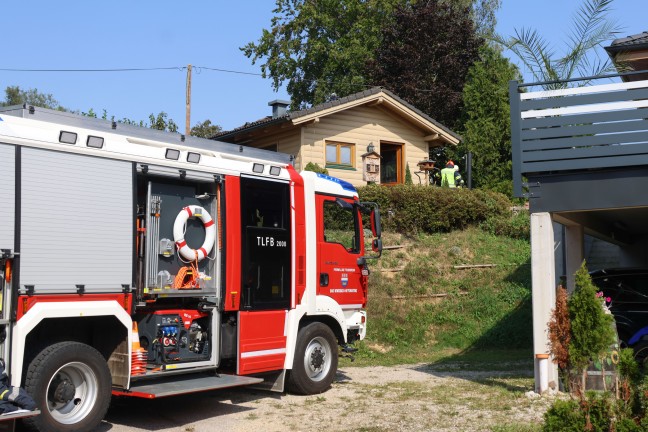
(582, 128)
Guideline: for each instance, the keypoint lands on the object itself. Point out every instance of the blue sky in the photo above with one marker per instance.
(167, 34)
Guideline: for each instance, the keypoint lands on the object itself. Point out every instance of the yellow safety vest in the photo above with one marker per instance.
(448, 177)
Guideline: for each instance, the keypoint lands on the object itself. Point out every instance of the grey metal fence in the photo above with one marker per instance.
(582, 128)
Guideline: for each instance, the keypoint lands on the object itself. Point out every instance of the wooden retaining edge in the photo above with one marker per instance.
(391, 270)
(421, 296)
(471, 266)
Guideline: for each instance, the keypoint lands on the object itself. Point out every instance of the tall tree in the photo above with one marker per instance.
(425, 55)
(486, 120)
(483, 14)
(14, 95)
(320, 47)
(590, 28)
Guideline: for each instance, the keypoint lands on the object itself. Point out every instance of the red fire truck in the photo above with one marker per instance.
(140, 263)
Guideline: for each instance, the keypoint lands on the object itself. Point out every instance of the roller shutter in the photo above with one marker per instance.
(7, 195)
(76, 222)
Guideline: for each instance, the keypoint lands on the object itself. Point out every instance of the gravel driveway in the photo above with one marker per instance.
(368, 399)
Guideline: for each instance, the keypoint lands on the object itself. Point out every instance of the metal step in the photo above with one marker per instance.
(178, 385)
(8, 420)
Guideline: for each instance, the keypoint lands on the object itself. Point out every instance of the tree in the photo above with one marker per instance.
(160, 122)
(590, 29)
(592, 330)
(425, 55)
(559, 330)
(14, 95)
(485, 124)
(205, 129)
(323, 47)
(408, 175)
(320, 47)
(483, 14)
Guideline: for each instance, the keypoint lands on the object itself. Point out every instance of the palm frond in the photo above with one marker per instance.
(534, 51)
(590, 29)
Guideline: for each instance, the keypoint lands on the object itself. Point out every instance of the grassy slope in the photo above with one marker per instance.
(484, 312)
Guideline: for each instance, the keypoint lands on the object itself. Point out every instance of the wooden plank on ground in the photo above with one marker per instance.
(471, 266)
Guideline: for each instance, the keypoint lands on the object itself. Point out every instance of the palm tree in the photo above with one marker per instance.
(590, 29)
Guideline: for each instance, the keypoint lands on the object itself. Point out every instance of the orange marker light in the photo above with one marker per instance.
(7, 271)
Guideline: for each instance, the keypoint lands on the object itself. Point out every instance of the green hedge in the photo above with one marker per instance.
(411, 209)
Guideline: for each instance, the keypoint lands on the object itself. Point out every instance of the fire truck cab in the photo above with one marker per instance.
(142, 263)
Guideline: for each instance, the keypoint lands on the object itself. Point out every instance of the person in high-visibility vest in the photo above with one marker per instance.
(458, 179)
(450, 176)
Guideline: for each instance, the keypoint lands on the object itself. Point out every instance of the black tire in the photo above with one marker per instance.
(641, 353)
(316, 360)
(71, 385)
(623, 339)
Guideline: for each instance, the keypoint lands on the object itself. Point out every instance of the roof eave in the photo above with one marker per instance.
(382, 98)
(235, 132)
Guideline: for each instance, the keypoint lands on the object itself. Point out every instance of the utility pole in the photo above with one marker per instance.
(188, 108)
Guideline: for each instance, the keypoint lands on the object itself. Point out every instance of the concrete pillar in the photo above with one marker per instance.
(574, 240)
(543, 282)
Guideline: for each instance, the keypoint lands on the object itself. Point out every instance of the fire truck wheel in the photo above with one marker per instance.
(71, 385)
(316, 360)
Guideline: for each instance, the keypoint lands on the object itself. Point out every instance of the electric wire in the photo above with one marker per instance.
(179, 68)
(196, 68)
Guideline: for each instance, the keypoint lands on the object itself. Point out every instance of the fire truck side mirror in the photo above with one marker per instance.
(376, 229)
(376, 246)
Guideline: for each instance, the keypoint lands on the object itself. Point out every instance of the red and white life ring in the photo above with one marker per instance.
(179, 229)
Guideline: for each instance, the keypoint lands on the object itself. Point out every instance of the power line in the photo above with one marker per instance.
(227, 71)
(179, 68)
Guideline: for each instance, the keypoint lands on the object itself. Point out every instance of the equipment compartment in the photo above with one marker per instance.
(178, 236)
(175, 336)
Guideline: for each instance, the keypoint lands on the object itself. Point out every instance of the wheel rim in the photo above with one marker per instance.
(317, 359)
(72, 393)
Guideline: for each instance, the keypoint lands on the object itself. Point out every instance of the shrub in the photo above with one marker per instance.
(564, 416)
(592, 330)
(408, 175)
(515, 226)
(411, 209)
(310, 166)
(596, 412)
(560, 330)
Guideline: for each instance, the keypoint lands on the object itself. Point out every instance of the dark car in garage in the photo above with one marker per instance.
(626, 293)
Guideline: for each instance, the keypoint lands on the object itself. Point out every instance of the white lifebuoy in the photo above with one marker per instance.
(179, 229)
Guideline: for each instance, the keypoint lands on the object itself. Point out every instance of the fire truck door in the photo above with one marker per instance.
(340, 244)
(266, 275)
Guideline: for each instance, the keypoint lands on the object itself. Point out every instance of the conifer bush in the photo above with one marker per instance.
(581, 332)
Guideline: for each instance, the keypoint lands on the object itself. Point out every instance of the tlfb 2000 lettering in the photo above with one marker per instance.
(265, 241)
(270, 242)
